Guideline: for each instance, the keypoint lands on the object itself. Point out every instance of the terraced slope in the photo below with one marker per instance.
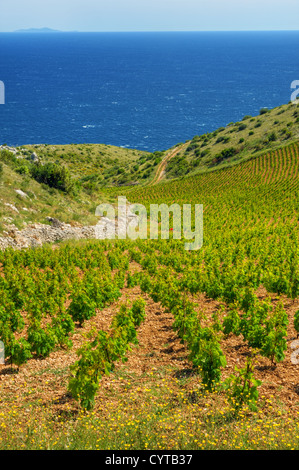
(237, 142)
(274, 174)
(206, 320)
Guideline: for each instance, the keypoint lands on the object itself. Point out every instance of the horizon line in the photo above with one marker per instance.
(53, 31)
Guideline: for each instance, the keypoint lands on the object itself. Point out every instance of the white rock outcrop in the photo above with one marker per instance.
(37, 234)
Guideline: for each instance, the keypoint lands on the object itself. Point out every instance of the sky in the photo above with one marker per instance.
(150, 15)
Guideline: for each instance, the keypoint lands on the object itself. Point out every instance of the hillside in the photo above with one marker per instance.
(142, 344)
(91, 169)
(96, 165)
(37, 30)
(265, 181)
(70, 187)
(237, 142)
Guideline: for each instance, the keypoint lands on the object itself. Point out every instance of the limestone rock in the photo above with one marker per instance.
(21, 193)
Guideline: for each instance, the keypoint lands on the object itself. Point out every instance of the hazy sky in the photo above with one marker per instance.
(150, 15)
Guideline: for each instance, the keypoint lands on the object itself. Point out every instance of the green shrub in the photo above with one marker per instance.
(242, 388)
(54, 176)
(272, 137)
(23, 170)
(206, 354)
(225, 154)
(82, 307)
(8, 157)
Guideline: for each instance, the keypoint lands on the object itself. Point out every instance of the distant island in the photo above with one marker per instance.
(38, 30)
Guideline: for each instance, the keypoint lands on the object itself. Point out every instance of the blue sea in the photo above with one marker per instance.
(139, 90)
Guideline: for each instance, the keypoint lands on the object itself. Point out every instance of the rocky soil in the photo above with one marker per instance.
(37, 234)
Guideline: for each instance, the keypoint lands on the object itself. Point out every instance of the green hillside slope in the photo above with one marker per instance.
(169, 348)
(237, 142)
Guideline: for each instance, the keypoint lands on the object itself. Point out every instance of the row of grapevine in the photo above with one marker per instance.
(45, 293)
(100, 352)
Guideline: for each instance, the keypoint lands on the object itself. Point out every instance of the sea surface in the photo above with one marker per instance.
(139, 90)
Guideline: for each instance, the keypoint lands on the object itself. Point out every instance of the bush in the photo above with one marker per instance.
(246, 117)
(223, 139)
(23, 170)
(242, 388)
(205, 152)
(7, 157)
(272, 137)
(53, 175)
(225, 154)
(191, 147)
(206, 354)
(82, 307)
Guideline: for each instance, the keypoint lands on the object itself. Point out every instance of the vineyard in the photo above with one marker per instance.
(224, 319)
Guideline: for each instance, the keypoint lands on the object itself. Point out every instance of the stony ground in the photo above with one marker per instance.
(160, 349)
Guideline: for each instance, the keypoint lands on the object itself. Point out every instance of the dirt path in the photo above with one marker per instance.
(161, 167)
